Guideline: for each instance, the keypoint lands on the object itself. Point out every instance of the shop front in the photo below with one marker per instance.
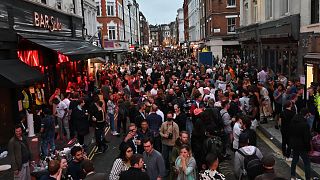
(312, 60)
(40, 49)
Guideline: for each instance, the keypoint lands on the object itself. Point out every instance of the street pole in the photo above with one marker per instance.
(129, 7)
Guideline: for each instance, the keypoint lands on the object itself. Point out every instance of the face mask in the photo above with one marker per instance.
(169, 119)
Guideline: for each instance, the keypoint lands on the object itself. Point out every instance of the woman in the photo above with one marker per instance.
(185, 164)
(122, 163)
(111, 107)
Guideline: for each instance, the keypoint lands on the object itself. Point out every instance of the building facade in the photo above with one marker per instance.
(194, 20)
(186, 20)
(277, 34)
(180, 26)
(144, 30)
(222, 20)
(154, 36)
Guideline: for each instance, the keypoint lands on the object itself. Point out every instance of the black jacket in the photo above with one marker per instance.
(286, 117)
(134, 173)
(299, 134)
(80, 120)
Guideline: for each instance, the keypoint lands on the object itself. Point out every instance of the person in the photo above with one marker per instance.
(299, 140)
(123, 116)
(54, 170)
(47, 132)
(180, 118)
(80, 118)
(132, 138)
(122, 163)
(227, 139)
(285, 119)
(248, 132)
(74, 167)
(143, 133)
(155, 122)
(268, 162)
(236, 132)
(99, 119)
(62, 161)
(19, 154)
(185, 164)
(278, 102)
(242, 158)
(111, 108)
(136, 170)
(169, 131)
(88, 168)
(154, 161)
(211, 173)
(61, 113)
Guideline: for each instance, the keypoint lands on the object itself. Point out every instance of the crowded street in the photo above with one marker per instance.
(159, 90)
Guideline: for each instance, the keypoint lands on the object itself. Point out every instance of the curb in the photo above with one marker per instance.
(278, 144)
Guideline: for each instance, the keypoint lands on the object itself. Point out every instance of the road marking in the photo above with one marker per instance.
(299, 171)
(95, 148)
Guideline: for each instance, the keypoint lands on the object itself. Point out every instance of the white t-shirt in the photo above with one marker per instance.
(153, 92)
(61, 108)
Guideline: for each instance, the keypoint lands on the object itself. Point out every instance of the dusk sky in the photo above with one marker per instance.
(160, 11)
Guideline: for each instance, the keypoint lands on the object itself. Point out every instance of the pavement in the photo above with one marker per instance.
(274, 139)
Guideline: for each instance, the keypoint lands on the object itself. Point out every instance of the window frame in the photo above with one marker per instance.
(233, 5)
(111, 8)
(112, 33)
(230, 25)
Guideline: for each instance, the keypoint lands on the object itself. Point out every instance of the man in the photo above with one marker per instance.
(54, 170)
(180, 118)
(74, 167)
(136, 170)
(262, 76)
(268, 170)
(169, 133)
(143, 133)
(61, 114)
(246, 153)
(227, 125)
(154, 90)
(20, 155)
(140, 115)
(212, 173)
(182, 140)
(155, 122)
(88, 168)
(154, 161)
(265, 108)
(299, 140)
(285, 118)
(132, 138)
(47, 132)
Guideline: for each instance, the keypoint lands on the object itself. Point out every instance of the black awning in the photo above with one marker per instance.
(312, 58)
(14, 72)
(76, 49)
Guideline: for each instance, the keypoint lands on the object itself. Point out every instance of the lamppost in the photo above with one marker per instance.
(129, 7)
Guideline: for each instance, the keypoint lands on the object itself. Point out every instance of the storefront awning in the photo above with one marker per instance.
(14, 72)
(76, 49)
(312, 58)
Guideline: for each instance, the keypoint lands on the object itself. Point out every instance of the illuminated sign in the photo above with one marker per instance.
(47, 22)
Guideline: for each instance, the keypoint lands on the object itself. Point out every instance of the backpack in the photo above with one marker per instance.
(213, 145)
(252, 165)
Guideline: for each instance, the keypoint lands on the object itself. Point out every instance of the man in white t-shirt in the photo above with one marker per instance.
(61, 114)
(154, 90)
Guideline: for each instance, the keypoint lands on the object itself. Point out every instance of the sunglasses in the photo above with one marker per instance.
(129, 151)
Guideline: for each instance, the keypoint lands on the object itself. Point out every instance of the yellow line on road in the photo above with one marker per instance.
(95, 148)
(299, 171)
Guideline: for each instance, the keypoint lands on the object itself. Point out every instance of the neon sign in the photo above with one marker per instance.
(46, 22)
(30, 57)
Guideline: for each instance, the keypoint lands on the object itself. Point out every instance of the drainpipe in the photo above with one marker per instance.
(83, 23)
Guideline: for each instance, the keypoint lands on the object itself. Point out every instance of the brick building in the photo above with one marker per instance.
(144, 30)
(222, 20)
(186, 20)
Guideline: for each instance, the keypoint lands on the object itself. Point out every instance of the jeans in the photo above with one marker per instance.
(310, 121)
(166, 153)
(111, 119)
(44, 145)
(306, 161)
(189, 126)
(64, 125)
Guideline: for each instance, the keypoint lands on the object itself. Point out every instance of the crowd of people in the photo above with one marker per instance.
(178, 120)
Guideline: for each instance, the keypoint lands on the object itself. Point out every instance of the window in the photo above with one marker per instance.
(112, 32)
(98, 9)
(255, 11)
(44, 1)
(231, 25)
(110, 9)
(59, 4)
(269, 9)
(231, 3)
(284, 7)
(314, 11)
(120, 13)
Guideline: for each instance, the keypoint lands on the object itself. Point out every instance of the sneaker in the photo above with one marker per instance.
(289, 159)
(115, 133)
(99, 151)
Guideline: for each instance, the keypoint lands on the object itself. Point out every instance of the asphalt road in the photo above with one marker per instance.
(103, 162)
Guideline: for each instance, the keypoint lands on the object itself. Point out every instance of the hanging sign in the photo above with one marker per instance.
(47, 22)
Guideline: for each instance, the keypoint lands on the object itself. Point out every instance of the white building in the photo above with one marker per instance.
(180, 21)
(194, 20)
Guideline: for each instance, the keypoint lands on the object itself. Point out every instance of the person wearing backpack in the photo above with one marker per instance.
(247, 160)
(212, 145)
